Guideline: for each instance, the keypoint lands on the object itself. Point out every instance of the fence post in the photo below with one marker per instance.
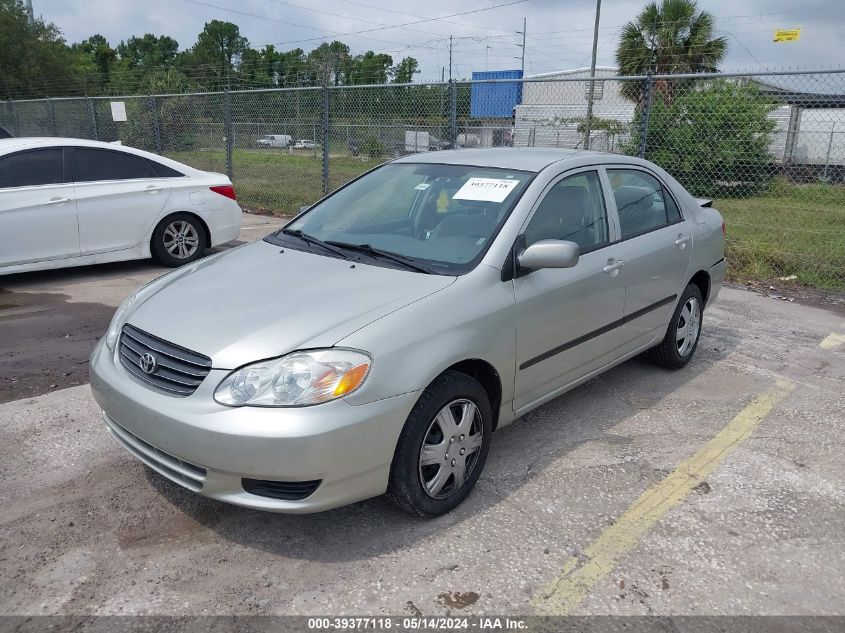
(453, 114)
(325, 139)
(17, 119)
(829, 147)
(52, 113)
(227, 130)
(94, 131)
(156, 123)
(792, 133)
(649, 92)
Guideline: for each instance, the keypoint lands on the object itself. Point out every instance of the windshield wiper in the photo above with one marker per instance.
(310, 239)
(408, 262)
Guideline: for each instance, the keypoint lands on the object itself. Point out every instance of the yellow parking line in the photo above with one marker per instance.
(832, 340)
(579, 575)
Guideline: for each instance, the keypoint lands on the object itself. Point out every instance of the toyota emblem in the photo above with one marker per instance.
(148, 363)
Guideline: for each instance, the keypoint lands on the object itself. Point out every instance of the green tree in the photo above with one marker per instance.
(667, 38)
(293, 68)
(34, 59)
(330, 63)
(148, 51)
(218, 48)
(164, 81)
(404, 71)
(370, 68)
(269, 60)
(99, 55)
(713, 136)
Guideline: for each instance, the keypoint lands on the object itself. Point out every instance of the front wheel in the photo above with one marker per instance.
(178, 239)
(443, 446)
(681, 338)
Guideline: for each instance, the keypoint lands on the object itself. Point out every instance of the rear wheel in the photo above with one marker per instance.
(681, 338)
(443, 446)
(179, 239)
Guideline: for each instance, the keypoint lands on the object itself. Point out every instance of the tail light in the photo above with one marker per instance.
(225, 190)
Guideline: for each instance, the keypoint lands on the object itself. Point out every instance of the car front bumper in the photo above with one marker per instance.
(209, 448)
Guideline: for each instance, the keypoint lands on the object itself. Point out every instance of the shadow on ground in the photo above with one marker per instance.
(520, 452)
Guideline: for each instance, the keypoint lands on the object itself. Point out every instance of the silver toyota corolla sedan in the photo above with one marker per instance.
(375, 343)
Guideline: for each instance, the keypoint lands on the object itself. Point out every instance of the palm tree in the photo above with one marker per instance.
(667, 38)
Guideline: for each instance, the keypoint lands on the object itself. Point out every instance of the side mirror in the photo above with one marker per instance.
(549, 254)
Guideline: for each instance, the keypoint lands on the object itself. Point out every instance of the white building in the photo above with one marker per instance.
(555, 104)
(809, 127)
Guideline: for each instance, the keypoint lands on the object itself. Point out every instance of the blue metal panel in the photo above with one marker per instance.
(495, 100)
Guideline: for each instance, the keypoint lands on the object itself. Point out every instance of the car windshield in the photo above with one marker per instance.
(440, 217)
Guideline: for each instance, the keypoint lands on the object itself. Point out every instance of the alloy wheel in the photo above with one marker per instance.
(181, 239)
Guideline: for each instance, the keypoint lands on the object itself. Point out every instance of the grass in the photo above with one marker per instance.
(275, 182)
(790, 230)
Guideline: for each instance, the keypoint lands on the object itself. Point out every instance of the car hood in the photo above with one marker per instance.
(259, 301)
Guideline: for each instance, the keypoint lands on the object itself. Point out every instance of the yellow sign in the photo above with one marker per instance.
(787, 35)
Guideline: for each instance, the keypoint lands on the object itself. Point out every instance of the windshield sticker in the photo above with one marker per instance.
(422, 186)
(486, 189)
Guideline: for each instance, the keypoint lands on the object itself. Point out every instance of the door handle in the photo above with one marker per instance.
(613, 266)
(153, 189)
(57, 200)
(682, 241)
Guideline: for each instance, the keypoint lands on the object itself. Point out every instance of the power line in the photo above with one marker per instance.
(422, 21)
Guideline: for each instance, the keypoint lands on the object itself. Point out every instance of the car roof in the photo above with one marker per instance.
(522, 158)
(32, 142)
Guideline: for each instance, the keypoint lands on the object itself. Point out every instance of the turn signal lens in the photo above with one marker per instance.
(351, 380)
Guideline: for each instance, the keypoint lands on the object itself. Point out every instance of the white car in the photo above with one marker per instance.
(305, 144)
(69, 202)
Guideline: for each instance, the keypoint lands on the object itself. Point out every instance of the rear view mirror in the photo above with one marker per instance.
(550, 254)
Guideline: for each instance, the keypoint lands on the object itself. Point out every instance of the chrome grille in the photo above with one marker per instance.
(177, 371)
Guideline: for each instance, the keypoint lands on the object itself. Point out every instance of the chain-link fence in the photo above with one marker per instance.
(769, 148)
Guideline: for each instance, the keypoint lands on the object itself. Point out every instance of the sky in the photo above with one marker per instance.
(559, 32)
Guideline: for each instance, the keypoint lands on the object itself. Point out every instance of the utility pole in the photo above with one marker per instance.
(592, 78)
(450, 58)
(524, 23)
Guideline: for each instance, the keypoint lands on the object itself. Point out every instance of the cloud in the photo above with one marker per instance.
(559, 33)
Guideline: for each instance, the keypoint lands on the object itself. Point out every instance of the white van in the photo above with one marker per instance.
(275, 140)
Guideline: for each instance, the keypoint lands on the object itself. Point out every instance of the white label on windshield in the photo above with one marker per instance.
(486, 189)
(422, 186)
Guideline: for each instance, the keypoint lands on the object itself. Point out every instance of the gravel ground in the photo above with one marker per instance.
(88, 530)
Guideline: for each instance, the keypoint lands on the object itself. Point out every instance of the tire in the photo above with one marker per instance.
(165, 246)
(463, 396)
(674, 351)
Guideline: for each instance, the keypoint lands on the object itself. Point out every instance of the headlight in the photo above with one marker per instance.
(298, 379)
(118, 320)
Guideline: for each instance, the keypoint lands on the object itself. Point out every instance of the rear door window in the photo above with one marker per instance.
(92, 165)
(642, 202)
(32, 167)
(163, 171)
